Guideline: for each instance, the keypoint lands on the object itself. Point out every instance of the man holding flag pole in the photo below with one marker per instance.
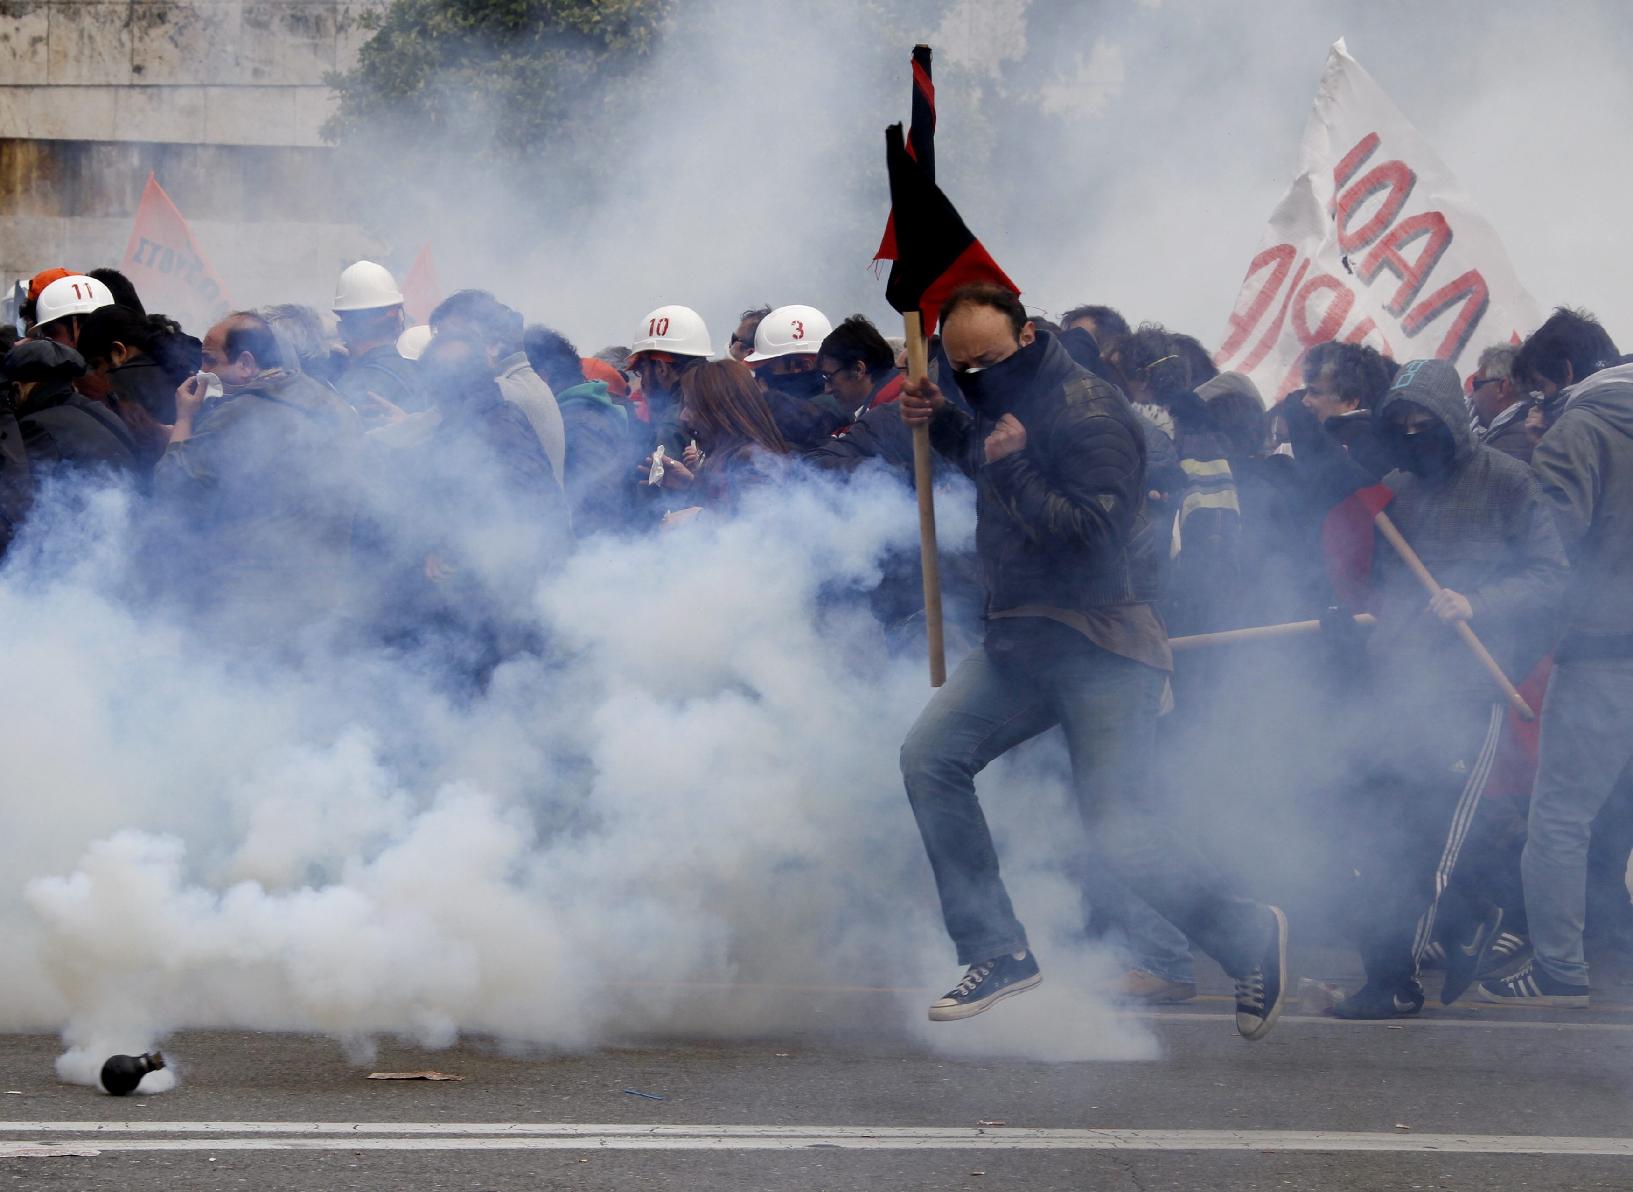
(1067, 559)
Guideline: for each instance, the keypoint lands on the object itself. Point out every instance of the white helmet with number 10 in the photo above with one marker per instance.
(789, 331)
(676, 330)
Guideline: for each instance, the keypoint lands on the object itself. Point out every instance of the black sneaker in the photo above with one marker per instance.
(1533, 987)
(1510, 952)
(1375, 1001)
(986, 984)
(1260, 994)
(1466, 958)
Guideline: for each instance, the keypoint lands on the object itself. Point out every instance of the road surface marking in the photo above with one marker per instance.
(482, 1136)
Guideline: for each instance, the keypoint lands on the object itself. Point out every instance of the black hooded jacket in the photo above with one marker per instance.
(62, 428)
(1060, 524)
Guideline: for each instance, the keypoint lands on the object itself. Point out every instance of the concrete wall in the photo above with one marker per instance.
(239, 72)
(222, 99)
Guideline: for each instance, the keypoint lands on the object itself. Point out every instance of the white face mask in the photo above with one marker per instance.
(1283, 449)
(212, 385)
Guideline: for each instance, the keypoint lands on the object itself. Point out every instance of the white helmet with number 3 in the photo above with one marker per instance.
(75, 294)
(677, 330)
(789, 331)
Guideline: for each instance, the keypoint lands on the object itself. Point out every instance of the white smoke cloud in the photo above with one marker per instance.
(683, 813)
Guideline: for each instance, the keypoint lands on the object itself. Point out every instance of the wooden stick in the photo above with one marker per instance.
(918, 366)
(1255, 633)
(1403, 548)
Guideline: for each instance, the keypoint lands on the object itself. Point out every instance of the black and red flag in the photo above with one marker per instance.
(921, 139)
(935, 250)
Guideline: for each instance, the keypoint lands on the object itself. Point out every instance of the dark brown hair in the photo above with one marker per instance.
(722, 399)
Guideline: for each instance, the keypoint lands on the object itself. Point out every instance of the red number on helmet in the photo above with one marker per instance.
(799, 329)
(657, 327)
(77, 294)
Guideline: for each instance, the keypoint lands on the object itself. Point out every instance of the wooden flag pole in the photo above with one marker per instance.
(918, 367)
(1403, 548)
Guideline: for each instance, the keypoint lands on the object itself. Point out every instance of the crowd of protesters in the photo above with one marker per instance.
(322, 466)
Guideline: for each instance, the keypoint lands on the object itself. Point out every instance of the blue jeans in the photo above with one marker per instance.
(1107, 707)
(1151, 942)
(1587, 742)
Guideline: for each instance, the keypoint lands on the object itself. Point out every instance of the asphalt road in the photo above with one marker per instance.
(1468, 1098)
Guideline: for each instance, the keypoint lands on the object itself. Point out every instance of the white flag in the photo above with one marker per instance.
(1374, 243)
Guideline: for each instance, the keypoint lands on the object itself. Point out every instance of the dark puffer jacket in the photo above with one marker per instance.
(1062, 523)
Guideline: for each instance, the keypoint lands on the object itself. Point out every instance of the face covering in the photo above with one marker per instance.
(1426, 453)
(805, 385)
(995, 381)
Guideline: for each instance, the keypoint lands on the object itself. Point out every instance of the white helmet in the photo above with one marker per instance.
(789, 331)
(366, 286)
(75, 294)
(678, 330)
(413, 341)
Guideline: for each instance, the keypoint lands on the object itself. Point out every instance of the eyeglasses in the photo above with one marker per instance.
(1482, 382)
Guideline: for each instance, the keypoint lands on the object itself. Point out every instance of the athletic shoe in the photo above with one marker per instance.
(1531, 986)
(986, 984)
(1140, 985)
(1260, 994)
(1465, 959)
(1374, 1001)
(1510, 952)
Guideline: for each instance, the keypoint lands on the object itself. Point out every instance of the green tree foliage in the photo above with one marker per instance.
(511, 89)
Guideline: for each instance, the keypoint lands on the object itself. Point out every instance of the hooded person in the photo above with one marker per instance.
(1584, 464)
(1477, 520)
(785, 360)
(600, 447)
(1203, 588)
(256, 487)
(60, 427)
(1071, 639)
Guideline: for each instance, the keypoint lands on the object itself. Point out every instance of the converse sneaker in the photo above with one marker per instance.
(986, 984)
(1531, 986)
(1467, 957)
(1375, 1001)
(1510, 952)
(1261, 992)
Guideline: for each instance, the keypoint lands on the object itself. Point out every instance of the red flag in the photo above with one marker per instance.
(168, 268)
(1347, 539)
(936, 251)
(421, 289)
(921, 139)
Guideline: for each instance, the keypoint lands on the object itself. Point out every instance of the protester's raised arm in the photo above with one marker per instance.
(1092, 501)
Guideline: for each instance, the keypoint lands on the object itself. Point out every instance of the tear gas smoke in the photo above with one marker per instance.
(1127, 152)
(681, 812)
